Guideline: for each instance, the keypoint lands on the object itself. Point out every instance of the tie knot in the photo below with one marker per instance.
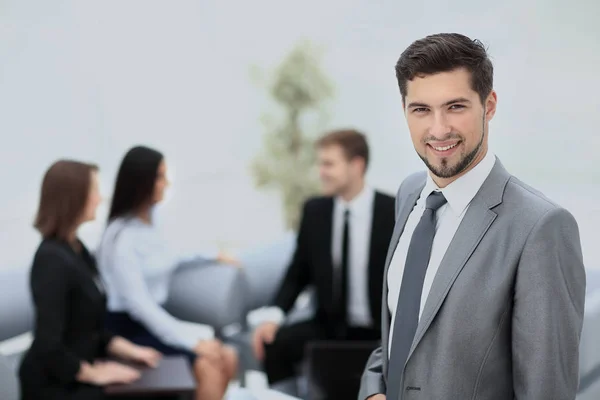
(346, 213)
(435, 200)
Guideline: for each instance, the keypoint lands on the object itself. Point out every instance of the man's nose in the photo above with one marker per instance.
(439, 126)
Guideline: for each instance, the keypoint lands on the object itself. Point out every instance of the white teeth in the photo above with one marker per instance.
(445, 147)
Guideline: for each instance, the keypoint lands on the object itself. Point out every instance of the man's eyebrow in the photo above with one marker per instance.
(453, 101)
(415, 105)
(457, 100)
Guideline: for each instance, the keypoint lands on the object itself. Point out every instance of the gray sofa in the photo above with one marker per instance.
(214, 294)
(222, 296)
(210, 294)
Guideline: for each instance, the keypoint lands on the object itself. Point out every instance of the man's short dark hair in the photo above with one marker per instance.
(353, 143)
(445, 52)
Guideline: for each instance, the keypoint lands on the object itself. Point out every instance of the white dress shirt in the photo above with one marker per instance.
(360, 220)
(136, 266)
(448, 217)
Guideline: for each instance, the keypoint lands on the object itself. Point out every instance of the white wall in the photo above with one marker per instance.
(89, 79)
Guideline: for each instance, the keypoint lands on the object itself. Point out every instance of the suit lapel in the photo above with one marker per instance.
(327, 226)
(473, 227)
(404, 211)
(327, 245)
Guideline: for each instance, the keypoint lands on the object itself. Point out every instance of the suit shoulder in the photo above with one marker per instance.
(385, 199)
(529, 204)
(50, 248)
(317, 202)
(52, 255)
(413, 180)
(522, 195)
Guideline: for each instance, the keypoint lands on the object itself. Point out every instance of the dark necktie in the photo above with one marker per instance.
(343, 283)
(409, 300)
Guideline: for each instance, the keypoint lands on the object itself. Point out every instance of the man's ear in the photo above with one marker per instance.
(359, 163)
(490, 105)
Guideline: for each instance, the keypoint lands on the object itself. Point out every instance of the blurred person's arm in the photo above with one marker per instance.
(128, 279)
(372, 385)
(548, 310)
(205, 257)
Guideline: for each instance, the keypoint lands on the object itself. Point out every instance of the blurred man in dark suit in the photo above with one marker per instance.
(341, 245)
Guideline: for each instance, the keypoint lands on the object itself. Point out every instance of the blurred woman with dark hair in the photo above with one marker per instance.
(69, 300)
(137, 266)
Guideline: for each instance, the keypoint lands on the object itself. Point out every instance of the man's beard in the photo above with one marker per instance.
(448, 171)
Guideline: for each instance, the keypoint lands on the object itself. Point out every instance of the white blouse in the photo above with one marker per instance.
(136, 265)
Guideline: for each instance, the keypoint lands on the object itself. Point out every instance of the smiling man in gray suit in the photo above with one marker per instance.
(485, 283)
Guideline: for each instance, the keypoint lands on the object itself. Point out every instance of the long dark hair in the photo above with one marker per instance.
(135, 183)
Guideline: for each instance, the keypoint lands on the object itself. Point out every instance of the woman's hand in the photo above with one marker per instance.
(103, 373)
(146, 355)
(124, 349)
(110, 372)
(225, 258)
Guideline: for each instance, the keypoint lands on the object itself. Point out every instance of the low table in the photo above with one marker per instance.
(257, 394)
(172, 377)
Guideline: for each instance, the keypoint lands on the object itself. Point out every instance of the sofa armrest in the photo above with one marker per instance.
(265, 268)
(213, 294)
(9, 383)
(16, 307)
(589, 351)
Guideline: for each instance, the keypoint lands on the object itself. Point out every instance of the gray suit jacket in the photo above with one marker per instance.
(504, 315)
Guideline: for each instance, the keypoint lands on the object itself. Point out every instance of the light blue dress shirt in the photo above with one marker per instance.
(136, 265)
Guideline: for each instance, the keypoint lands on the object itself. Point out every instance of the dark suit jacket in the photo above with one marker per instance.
(70, 308)
(312, 263)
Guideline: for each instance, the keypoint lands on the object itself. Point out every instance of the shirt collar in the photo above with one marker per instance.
(359, 205)
(460, 192)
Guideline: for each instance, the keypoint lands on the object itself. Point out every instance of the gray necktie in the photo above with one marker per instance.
(409, 300)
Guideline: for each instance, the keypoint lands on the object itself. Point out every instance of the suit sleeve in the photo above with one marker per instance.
(548, 310)
(105, 340)
(372, 378)
(50, 285)
(298, 273)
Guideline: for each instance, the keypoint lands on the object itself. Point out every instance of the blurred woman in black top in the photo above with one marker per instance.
(69, 299)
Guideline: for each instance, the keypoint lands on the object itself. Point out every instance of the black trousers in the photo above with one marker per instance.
(283, 356)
